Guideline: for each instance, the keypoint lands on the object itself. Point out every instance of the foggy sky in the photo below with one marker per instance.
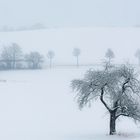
(70, 13)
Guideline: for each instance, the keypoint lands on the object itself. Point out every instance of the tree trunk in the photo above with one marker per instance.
(14, 64)
(77, 62)
(112, 123)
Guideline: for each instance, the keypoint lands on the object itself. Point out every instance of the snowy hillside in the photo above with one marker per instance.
(93, 43)
(39, 105)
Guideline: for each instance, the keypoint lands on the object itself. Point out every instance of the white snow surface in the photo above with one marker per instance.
(40, 105)
(93, 43)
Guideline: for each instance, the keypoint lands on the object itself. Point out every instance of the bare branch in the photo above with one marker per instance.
(122, 114)
(102, 100)
(116, 108)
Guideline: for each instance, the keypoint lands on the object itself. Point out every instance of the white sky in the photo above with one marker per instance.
(70, 13)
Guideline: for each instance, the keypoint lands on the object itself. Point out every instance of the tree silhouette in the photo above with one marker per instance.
(50, 55)
(76, 53)
(117, 88)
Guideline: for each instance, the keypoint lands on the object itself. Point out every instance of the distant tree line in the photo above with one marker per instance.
(12, 57)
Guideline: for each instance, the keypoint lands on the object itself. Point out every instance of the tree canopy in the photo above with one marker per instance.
(118, 88)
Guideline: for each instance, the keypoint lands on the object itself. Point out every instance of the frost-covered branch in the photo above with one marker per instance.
(118, 88)
(122, 114)
(102, 99)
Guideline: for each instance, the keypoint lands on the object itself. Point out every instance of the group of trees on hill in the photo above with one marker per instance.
(12, 57)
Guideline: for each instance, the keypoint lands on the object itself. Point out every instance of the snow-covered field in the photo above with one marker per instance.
(40, 105)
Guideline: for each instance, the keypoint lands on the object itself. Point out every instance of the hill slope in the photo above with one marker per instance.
(93, 43)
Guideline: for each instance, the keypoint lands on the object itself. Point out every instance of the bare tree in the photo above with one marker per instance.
(76, 53)
(117, 88)
(137, 55)
(109, 55)
(11, 55)
(50, 55)
(34, 60)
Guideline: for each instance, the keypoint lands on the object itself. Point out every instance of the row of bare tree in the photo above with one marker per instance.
(12, 57)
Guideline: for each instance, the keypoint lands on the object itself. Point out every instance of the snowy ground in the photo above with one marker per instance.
(40, 105)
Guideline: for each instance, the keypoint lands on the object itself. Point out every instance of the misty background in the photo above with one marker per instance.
(69, 13)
